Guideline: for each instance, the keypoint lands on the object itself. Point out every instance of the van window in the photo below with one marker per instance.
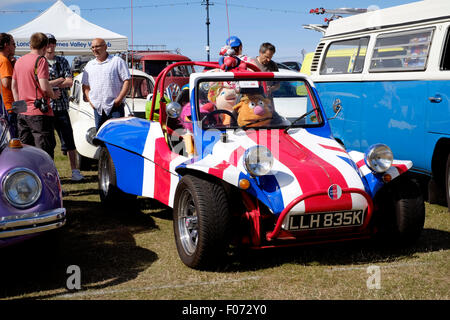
(445, 61)
(401, 51)
(345, 57)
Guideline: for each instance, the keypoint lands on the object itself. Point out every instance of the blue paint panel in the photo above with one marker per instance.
(273, 198)
(129, 169)
(130, 135)
(397, 113)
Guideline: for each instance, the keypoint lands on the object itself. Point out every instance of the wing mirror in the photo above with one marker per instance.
(337, 108)
(173, 109)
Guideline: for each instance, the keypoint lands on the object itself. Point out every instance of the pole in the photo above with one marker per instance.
(207, 30)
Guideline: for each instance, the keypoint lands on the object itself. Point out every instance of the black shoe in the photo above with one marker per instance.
(64, 152)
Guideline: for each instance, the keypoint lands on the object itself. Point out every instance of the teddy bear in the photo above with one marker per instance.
(254, 110)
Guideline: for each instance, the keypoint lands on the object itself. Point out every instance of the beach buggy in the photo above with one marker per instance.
(248, 158)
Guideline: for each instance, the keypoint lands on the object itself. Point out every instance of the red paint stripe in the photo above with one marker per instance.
(251, 75)
(401, 168)
(236, 155)
(163, 156)
(361, 163)
(332, 148)
(219, 169)
(312, 172)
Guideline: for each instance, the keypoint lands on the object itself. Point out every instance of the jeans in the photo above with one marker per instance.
(116, 112)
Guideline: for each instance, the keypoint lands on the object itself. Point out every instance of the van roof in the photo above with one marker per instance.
(419, 11)
(160, 56)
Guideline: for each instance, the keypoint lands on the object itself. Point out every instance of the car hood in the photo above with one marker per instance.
(304, 164)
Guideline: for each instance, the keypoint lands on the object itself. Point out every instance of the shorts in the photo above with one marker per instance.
(37, 131)
(64, 130)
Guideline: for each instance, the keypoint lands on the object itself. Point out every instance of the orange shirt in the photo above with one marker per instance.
(6, 71)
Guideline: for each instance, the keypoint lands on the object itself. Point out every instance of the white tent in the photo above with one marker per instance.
(73, 33)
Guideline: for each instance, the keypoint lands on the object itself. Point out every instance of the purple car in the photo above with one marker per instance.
(30, 190)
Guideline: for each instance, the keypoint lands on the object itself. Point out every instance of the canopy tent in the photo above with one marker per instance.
(74, 34)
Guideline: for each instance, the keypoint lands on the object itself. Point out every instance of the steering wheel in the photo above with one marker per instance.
(209, 121)
(172, 91)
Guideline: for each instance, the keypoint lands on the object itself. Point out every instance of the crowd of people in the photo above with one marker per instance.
(42, 79)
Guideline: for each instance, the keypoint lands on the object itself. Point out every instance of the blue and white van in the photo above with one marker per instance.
(388, 73)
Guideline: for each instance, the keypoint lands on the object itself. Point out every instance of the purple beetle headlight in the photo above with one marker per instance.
(21, 187)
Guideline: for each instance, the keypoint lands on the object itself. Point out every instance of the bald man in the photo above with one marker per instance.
(106, 81)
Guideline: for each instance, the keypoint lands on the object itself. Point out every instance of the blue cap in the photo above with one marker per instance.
(234, 41)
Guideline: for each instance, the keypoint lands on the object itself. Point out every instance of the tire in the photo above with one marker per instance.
(201, 222)
(447, 182)
(110, 195)
(402, 212)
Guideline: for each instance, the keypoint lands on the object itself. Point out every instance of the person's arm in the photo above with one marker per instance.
(6, 82)
(123, 92)
(67, 83)
(56, 82)
(86, 89)
(47, 89)
(15, 90)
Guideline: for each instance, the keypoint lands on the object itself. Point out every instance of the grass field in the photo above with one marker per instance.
(134, 257)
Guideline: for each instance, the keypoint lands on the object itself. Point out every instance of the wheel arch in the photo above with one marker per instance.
(439, 160)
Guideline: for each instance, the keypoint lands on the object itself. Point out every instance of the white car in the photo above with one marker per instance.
(82, 114)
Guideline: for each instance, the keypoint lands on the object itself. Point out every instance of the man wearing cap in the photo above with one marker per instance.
(61, 77)
(106, 81)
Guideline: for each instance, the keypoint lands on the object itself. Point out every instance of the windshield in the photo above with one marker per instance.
(278, 103)
(141, 87)
(154, 68)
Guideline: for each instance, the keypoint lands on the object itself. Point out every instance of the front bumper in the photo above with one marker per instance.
(19, 225)
(278, 227)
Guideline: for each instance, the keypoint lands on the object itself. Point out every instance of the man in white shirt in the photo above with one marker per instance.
(106, 81)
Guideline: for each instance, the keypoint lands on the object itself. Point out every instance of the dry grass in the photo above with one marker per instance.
(134, 257)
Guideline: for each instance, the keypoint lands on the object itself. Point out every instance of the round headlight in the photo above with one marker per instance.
(258, 160)
(22, 187)
(379, 158)
(90, 135)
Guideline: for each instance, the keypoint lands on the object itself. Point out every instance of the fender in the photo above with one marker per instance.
(127, 133)
(374, 181)
(227, 172)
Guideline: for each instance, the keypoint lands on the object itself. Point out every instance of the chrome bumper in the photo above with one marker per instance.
(29, 223)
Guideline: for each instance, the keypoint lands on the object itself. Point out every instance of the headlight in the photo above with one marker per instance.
(90, 135)
(258, 160)
(379, 158)
(22, 187)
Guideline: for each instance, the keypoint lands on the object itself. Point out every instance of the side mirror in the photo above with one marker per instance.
(19, 106)
(173, 109)
(337, 108)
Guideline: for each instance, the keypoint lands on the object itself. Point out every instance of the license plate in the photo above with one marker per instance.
(324, 220)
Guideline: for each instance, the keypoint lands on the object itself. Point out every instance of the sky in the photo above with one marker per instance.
(181, 24)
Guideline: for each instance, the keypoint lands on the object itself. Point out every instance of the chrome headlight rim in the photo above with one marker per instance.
(248, 165)
(372, 158)
(34, 199)
(90, 135)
